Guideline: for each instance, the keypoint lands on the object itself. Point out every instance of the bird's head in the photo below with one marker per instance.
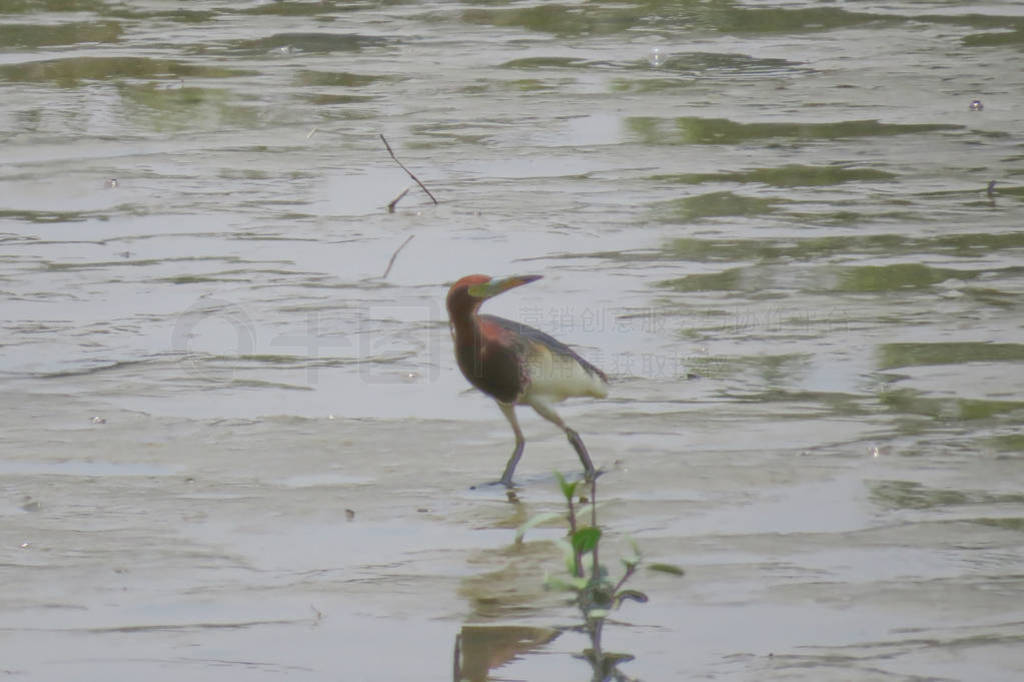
(466, 295)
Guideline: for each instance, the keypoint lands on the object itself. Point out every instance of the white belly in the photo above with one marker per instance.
(555, 377)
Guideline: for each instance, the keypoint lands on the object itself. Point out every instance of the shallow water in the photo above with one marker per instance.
(231, 446)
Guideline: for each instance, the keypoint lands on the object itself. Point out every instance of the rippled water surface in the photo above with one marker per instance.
(234, 448)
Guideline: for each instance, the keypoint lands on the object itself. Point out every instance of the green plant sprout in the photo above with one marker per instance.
(597, 595)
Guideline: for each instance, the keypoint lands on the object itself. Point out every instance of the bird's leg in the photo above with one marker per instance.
(581, 450)
(545, 410)
(509, 411)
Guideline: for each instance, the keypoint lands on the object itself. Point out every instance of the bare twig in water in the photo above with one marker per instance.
(422, 186)
(395, 255)
(391, 206)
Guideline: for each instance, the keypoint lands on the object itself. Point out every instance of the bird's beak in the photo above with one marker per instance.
(497, 286)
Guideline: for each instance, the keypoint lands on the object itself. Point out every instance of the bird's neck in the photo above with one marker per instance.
(466, 327)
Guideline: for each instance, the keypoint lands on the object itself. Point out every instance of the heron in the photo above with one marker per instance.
(517, 364)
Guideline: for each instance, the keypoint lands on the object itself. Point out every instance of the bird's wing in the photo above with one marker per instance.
(551, 342)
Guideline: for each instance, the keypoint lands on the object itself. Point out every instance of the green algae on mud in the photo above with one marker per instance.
(70, 72)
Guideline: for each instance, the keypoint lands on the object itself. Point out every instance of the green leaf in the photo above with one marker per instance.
(567, 554)
(534, 522)
(565, 584)
(597, 613)
(586, 539)
(568, 489)
(671, 569)
(630, 595)
(560, 584)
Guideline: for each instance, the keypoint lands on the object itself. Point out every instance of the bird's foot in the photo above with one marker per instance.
(489, 484)
(591, 475)
(510, 488)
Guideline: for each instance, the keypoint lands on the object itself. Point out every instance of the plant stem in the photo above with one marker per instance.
(596, 575)
(622, 581)
(595, 625)
(577, 555)
(595, 640)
